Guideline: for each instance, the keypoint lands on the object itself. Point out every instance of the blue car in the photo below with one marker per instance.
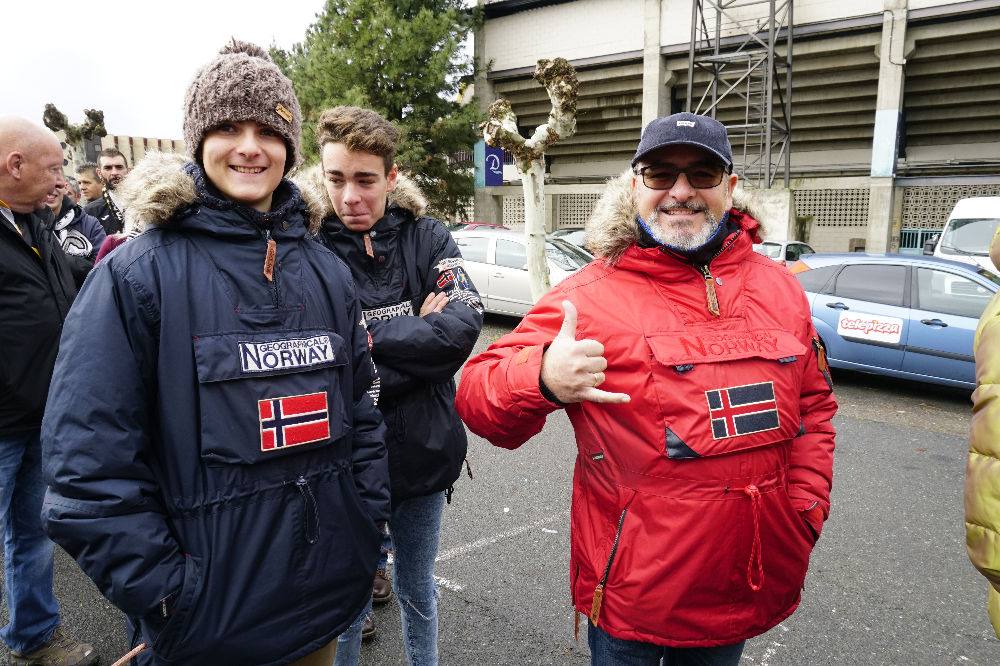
(905, 316)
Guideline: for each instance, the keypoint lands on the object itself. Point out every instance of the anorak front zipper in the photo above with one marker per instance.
(311, 511)
(595, 607)
(711, 297)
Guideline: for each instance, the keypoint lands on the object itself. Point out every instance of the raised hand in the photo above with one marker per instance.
(573, 369)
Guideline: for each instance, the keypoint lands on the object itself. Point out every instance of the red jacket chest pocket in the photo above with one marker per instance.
(726, 391)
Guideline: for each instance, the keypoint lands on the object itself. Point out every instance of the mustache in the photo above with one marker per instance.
(674, 205)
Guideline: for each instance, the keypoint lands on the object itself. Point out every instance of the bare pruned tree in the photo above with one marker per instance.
(500, 131)
(90, 128)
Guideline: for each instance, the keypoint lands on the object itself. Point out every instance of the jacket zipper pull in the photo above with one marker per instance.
(711, 296)
(824, 367)
(595, 608)
(269, 255)
(369, 250)
(821, 361)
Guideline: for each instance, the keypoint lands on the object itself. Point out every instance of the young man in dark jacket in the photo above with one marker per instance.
(216, 465)
(424, 316)
(108, 208)
(36, 290)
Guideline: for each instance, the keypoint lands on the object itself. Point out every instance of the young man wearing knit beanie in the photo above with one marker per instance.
(424, 316)
(218, 466)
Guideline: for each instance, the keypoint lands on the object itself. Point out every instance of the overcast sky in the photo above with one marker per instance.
(134, 59)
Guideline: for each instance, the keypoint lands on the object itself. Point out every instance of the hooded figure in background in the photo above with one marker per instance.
(982, 474)
(217, 465)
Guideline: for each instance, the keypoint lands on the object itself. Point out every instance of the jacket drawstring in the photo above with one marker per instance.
(754, 493)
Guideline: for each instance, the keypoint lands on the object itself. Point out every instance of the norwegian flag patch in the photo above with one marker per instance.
(293, 420)
(742, 410)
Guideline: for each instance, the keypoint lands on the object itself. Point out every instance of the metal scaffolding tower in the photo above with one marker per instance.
(734, 42)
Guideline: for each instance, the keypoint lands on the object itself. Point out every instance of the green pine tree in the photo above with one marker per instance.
(404, 59)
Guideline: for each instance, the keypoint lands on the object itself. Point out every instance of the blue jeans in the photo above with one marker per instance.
(33, 609)
(415, 527)
(606, 650)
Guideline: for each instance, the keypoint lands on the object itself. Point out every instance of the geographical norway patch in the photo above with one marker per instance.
(401, 309)
(293, 420)
(449, 263)
(742, 410)
(455, 281)
(454, 278)
(285, 354)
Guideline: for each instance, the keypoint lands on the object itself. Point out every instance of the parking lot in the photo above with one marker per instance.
(889, 581)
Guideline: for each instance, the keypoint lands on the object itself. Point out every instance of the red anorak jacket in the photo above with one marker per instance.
(695, 506)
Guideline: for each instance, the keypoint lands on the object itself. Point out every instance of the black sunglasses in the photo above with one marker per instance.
(663, 176)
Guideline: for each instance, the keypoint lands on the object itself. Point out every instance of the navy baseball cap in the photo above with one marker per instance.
(686, 129)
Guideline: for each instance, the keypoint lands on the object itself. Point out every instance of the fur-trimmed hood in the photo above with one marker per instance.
(159, 186)
(406, 195)
(612, 227)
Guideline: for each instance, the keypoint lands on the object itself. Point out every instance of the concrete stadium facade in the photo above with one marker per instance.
(895, 107)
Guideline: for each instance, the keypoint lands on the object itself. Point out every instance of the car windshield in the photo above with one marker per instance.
(565, 255)
(772, 250)
(969, 236)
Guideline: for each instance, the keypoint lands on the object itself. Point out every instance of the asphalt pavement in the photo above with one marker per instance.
(889, 581)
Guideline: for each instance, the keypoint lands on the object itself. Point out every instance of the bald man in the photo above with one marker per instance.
(36, 290)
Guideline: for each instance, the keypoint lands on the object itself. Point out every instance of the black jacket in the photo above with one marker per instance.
(218, 449)
(99, 208)
(417, 357)
(36, 291)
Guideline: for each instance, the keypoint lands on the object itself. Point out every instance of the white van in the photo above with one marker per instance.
(967, 233)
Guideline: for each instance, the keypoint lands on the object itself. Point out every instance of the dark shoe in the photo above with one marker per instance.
(60, 650)
(368, 629)
(381, 588)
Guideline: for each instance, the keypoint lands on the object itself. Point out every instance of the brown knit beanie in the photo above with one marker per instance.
(242, 83)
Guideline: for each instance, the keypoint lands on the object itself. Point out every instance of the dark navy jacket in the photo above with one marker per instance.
(80, 235)
(417, 357)
(216, 465)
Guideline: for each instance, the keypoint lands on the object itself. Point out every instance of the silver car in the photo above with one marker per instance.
(497, 262)
(784, 252)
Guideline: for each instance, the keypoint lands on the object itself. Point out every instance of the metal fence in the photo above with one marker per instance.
(911, 241)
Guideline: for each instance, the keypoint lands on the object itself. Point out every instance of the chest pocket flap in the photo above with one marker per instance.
(266, 395)
(679, 348)
(726, 390)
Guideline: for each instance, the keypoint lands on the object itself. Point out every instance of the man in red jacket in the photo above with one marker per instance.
(706, 456)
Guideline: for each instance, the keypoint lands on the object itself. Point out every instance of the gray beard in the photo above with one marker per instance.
(680, 239)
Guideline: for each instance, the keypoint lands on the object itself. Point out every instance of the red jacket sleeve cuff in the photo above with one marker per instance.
(524, 380)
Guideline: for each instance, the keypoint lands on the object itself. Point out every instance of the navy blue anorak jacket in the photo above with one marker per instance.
(216, 465)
